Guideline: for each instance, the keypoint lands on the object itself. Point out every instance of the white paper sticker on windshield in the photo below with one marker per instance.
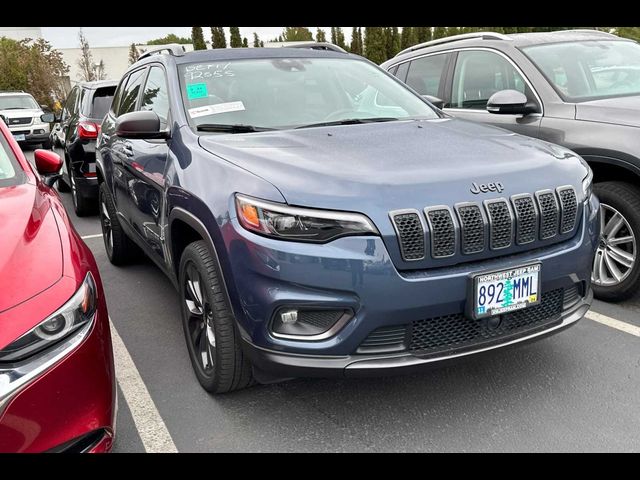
(217, 108)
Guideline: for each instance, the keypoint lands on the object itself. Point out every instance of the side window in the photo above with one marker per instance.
(131, 92)
(426, 74)
(156, 95)
(479, 74)
(393, 70)
(117, 98)
(69, 105)
(401, 73)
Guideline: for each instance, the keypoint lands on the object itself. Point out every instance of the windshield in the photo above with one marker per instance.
(15, 102)
(588, 70)
(294, 92)
(101, 102)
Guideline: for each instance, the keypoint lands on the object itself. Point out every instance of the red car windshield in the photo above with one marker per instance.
(10, 171)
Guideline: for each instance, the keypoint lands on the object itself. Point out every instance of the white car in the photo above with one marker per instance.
(24, 117)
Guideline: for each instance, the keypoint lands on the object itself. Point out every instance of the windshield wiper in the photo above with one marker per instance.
(350, 121)
(237, 128)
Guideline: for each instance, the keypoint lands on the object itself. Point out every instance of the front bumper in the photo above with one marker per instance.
(33, 133)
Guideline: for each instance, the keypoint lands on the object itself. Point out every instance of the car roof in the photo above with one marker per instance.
(15, 93)
(222, 54)
(540, 38)
(99, 84)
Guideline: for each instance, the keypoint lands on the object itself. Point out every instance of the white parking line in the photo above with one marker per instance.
(85, 237)
(151, 428)
(613, 323)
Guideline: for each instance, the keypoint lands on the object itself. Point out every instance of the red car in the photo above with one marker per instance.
(57, 379)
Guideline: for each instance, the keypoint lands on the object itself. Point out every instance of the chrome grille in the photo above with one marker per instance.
(500, 224)
(20, 121)
(443, 234)
(410, 235)
(569, 204)
(472, 228)
(549, 214)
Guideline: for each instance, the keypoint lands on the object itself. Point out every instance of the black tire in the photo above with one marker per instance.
(46, 144)
(225, 367)
(625, 198)
(81, 205)
(120, 248)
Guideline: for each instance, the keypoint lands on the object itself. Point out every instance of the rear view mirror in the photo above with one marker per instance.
(438, 103)
(48, 117)
(510, 102)
(142, 124)
(48, 164)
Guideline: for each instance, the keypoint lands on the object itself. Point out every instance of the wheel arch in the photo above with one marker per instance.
(612, 166)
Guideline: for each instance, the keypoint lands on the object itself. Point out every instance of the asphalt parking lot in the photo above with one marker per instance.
(575, 391)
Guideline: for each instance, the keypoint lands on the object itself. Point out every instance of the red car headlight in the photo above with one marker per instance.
(78, 311)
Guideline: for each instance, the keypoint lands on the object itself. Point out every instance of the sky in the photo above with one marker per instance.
(67, 37)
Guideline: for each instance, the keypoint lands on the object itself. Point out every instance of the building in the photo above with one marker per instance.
(20, 33)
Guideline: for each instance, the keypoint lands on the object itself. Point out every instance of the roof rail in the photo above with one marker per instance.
(174, 50)
(456, 38)
(318, 46)
(589, 30)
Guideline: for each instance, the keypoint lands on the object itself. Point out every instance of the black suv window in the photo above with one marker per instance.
(70, 104)
(426, 74)
(97, 103)
(131, 92)
(479, 74)
(156, 96)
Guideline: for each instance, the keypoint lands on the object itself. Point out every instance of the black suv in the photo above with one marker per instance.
(577, 88)
(82, 113)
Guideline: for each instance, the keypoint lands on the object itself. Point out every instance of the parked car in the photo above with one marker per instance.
(57, 390)
(579, 89)
(82, 113)
(263, 181)
(24, 117)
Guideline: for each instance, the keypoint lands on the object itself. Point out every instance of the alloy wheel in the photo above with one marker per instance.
(616, 253)
(199, 320)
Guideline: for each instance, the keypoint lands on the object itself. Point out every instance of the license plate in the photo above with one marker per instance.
(505, 291)
(19, 137)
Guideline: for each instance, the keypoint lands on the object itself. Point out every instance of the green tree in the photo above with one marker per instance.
(407, 37)
(235, 40)
(356, 41)
(439, 32)
(320, 35)
(423, 34)
(245, 43)
(261, 44)
(218, 38)
(340, 38)
(451, 31)
(333, 35)
(198, 38)
(628, 32)
(392, 41)
(375, 48)
(297, 34)
(85, 62)
(256, 40)
(134, 55)
(170, 38)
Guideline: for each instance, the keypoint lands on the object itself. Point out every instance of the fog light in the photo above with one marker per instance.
(289, 316)
(309, 323)
(38, 131)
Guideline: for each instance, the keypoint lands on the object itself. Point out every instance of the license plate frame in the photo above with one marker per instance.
(19, 137)
(477, 278)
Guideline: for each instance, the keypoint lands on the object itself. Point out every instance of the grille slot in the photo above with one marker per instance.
(471, 228)
(410, 235)
(526, 218)
(443, 234)
(500, 224)
(20, 121)
(320, 318)
(549, 215)
(385, 339)
(456, 332)
(569, 204)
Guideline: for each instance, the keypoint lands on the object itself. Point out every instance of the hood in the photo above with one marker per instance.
(619, 110)
(380, 167)
(31, 252)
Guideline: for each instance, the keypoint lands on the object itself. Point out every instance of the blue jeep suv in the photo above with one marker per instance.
(320, 218)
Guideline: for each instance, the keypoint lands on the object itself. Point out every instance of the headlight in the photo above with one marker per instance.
(300, 224)
(78, 311)
(587, 182)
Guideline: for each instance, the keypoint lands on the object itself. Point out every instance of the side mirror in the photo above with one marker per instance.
(57, 117)
(510, 102)
(48, 165)
(4, 119)
(142, 125)
(48, 117)
(437, 102)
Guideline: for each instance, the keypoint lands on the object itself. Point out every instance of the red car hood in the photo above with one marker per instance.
(30, 248)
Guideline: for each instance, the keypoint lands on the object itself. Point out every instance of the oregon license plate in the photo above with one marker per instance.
(504, 291)
(19, 137)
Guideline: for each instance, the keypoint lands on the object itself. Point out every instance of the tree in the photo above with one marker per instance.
(245, 43)
(374, 44)
(235, 40)
(407, 37)
(392, 41)
(423, 34)
(333, 35)
(33, 66)
(170, 38)
(439, 32)
(340, 38)
(197, 37)
(451, 31)
(261, 44)
(628, 32)
(218, 38)
(85, 62)
(101, 74)
(256, 40)
(320, 35)
(134, 55)
(297, 34)
(356, 41)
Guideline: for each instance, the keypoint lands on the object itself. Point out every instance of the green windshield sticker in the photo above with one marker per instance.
(197, 90)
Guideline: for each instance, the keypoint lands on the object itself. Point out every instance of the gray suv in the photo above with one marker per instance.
(578, 88)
